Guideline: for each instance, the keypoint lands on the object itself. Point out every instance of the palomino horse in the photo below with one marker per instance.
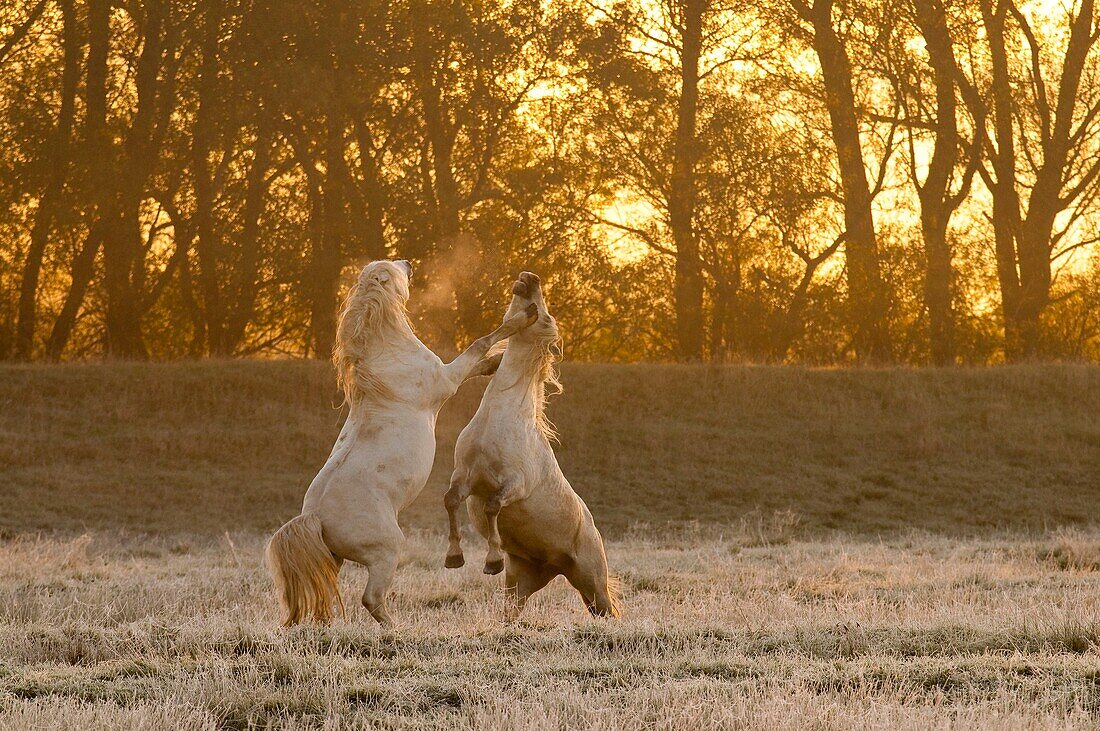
(520, 501)
(395, 387)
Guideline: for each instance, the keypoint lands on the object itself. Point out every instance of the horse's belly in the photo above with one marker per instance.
(535, 534)
(392, 461)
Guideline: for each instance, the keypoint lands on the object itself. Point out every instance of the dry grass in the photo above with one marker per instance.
(720, 631)
(232, 446)
(799, 549)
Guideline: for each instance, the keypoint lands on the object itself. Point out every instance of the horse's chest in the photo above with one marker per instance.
(421, 381)
(491, 437)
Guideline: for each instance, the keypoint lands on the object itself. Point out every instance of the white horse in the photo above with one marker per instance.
(519, 500)
(395, 387)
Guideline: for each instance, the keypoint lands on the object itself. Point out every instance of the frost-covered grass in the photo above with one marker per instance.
(737, 627)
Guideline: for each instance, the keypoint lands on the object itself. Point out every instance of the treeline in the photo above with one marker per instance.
(760, 180)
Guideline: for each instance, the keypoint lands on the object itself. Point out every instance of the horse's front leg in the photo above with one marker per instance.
(506, 494)
(456, 495)
(472, 360)
(487, 366)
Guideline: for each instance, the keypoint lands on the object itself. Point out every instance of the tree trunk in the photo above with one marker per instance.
(54, 188)
(326, 254)
(202, 140)
(1023, 241)
(374, 194)
(81, 272)
(441, 301)
(100, 151)
(688, 288)
(867, 302)
(1045, 201)
(326, 259)
(122, 244)
(442, 142)
(246, 274)
(935, 194)
(1006, 202)
(194, 311)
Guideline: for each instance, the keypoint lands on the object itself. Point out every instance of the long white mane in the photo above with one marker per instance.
(372, 314)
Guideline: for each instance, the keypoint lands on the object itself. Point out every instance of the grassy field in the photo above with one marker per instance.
(210, 447)
(799, 549)
(734, 628)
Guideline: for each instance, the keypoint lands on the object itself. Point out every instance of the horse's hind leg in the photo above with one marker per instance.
(455, 496)
(595, 594)
(382, 566)
(507, 493)
(589, 577)
(379, 553)
(522, 578)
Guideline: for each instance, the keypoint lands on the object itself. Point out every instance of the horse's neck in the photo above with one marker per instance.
(401, 332)
(393, 356)
(397, 340)
(518, 380)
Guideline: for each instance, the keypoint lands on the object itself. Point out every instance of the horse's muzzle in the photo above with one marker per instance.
(526, 285)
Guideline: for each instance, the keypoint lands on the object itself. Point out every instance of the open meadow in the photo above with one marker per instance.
(798, 549)
(217, 446)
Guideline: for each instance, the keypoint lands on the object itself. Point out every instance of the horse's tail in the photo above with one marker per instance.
(305, 571)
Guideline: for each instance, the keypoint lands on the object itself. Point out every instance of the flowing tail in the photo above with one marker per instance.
(305, 572)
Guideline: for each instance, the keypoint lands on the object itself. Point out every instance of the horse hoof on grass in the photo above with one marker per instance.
(455, 562)
(494, 567)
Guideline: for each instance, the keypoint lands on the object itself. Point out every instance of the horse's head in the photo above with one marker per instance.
(538, 347)
(389, 275)
(373, 311)
(527, 290)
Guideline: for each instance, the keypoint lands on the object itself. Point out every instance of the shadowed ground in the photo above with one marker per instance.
(209, 447)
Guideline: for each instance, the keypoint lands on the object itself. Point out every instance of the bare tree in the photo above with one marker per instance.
(682, 188)
(208, 241)
(1055, 147)
(48, 202)
(943, 189)
(868, 303)
(101, 151)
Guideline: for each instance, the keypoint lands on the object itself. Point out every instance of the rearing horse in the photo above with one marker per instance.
(395, 387)
(537, 527)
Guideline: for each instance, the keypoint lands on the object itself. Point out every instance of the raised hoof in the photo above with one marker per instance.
(455, 562)
(494, 567)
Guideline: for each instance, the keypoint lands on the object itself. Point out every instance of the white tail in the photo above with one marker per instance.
(305, 572)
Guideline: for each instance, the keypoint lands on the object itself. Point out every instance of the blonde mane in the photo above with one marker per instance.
(543, 361)
(371, 314)
(548, 376)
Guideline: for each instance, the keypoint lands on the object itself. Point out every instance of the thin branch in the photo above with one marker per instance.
(22, 30)
(1041, 100)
